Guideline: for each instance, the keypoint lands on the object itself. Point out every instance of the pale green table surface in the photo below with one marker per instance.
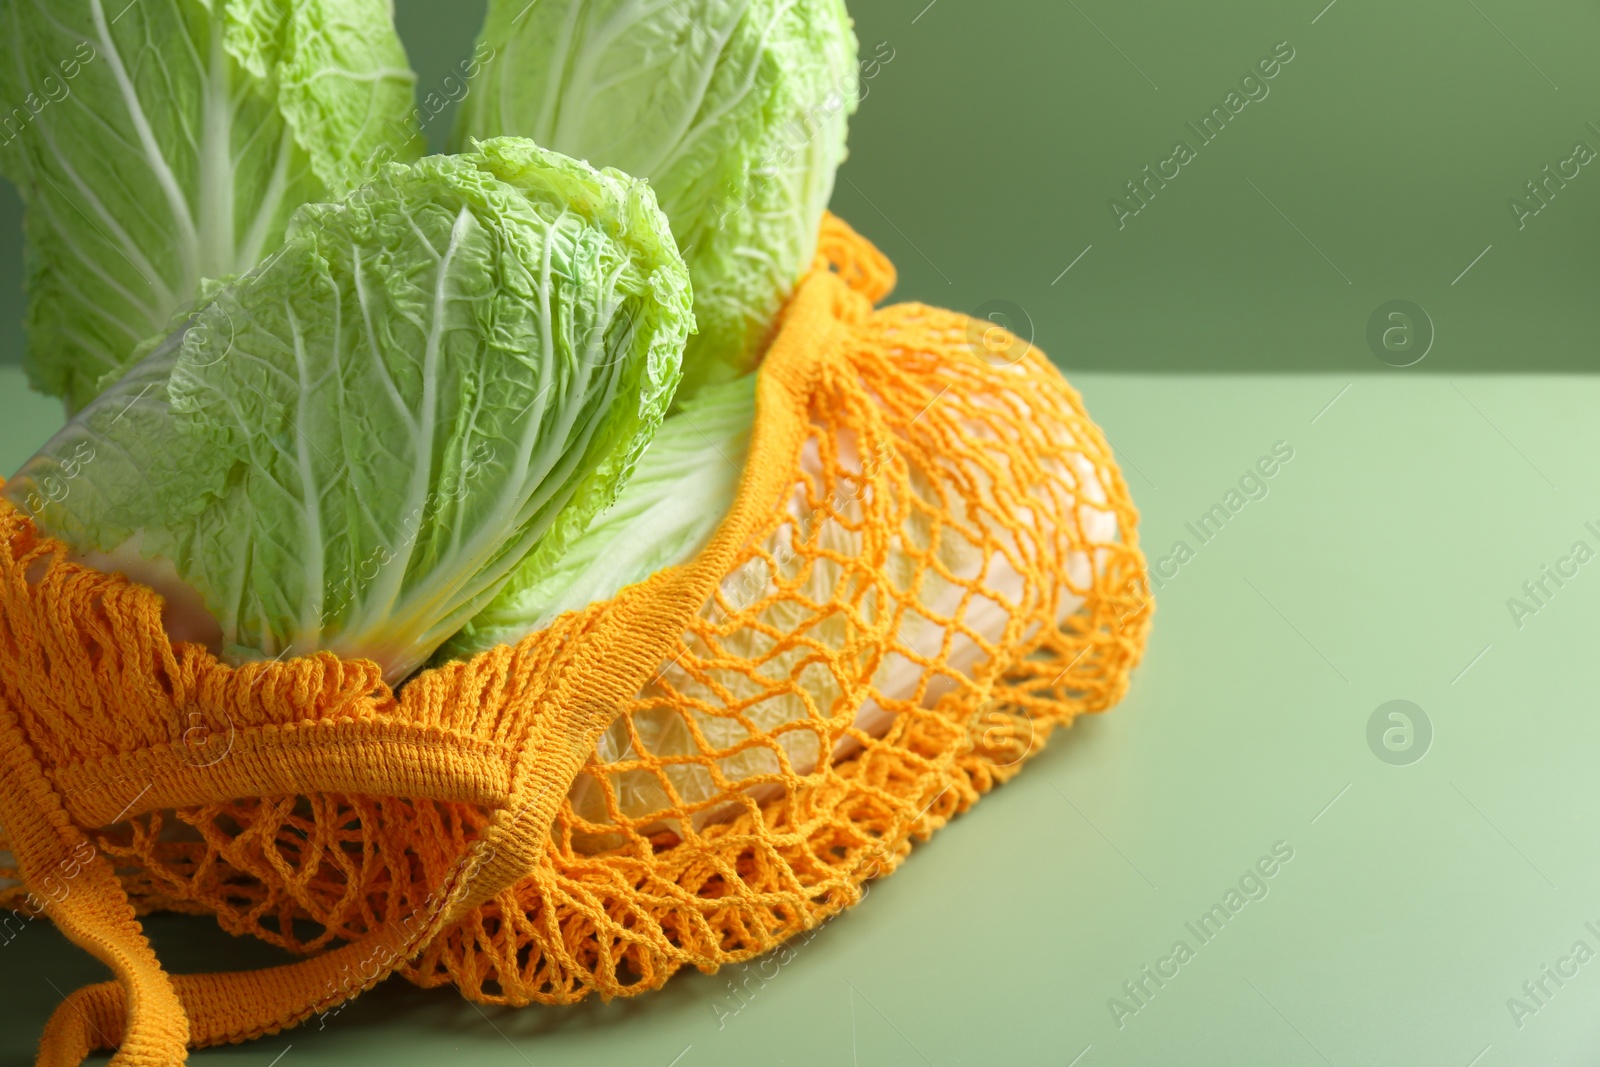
(1377, 568)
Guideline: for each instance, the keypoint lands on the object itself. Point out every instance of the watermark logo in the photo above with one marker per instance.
(1001, 332)
(1002, 733)
(205, 736)
(1541, 190)
(1252, 886)
(599, 351)
(1253, 88)
(208, 341)
(1537, 992)
(52, 90)
(1252, 486)
(1538, 591)
(55, 487)
(1400, 333)
(1399, 733)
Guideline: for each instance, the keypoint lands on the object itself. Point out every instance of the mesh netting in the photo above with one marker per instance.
(951, 575)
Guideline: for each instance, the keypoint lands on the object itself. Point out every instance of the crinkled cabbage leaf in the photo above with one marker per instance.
(350, 447)
(684, 485)
(734, 110)
(163, 142)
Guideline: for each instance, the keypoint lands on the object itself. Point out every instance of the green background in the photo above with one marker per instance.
(1419, 500)
(987, 149)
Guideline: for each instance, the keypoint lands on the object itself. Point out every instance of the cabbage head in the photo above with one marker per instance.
(734, 111)
(350, 447)
(159, 143)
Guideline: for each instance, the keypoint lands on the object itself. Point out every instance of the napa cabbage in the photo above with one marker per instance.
(160, 143)
(734, 110)
(683, 486)
(351, 446)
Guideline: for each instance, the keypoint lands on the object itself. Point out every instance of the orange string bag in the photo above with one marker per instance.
(931, 563)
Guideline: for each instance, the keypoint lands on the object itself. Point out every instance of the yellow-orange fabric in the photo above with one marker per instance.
(430, 832)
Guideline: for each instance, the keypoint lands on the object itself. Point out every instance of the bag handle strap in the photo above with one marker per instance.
(152, 1017)
(87, 903)
(198, 1010)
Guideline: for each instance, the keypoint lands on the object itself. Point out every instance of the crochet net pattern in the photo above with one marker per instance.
(932, 563)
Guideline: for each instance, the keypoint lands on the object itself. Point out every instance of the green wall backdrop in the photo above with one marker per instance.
(1376, 164)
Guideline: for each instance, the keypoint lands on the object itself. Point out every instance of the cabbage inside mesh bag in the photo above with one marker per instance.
(351, 447)
(664, 732)
(684, 483)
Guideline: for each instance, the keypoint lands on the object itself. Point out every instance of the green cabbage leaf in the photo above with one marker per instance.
(352, 446)
(160, 143)
(734, 110)
(684, 485)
